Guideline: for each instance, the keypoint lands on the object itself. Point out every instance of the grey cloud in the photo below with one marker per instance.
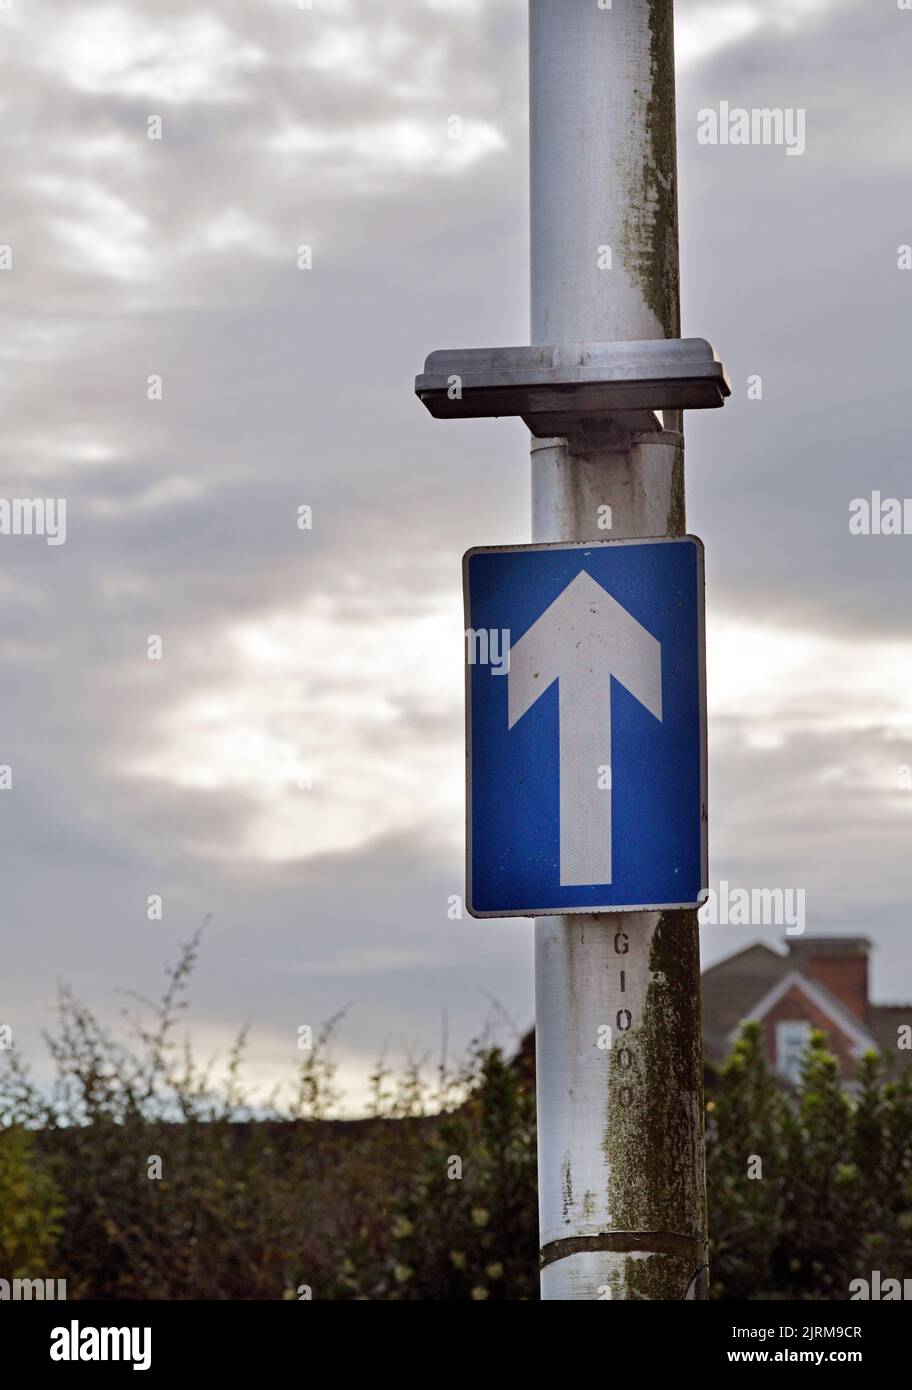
(283, 387)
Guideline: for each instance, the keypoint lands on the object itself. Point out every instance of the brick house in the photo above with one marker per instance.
(821, 983)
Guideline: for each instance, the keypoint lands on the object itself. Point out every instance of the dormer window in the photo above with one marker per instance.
(791, 1040)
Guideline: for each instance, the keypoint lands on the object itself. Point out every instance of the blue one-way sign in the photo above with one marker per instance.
(586, 727)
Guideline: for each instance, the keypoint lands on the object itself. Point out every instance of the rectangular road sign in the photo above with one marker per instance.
(586, 727)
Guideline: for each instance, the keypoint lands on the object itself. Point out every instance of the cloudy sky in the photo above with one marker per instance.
(293, 763)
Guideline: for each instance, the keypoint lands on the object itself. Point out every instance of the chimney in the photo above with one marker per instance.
(840, 964)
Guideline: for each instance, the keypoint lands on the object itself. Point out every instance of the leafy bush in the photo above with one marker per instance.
(468, 1226)
(30, 1209)
(832, 1199)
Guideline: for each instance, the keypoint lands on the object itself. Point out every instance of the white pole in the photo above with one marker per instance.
(621, 1168)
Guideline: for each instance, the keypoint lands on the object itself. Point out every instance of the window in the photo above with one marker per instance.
(791, 1040)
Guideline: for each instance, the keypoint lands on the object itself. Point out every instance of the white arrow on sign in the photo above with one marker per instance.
(583, 639)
